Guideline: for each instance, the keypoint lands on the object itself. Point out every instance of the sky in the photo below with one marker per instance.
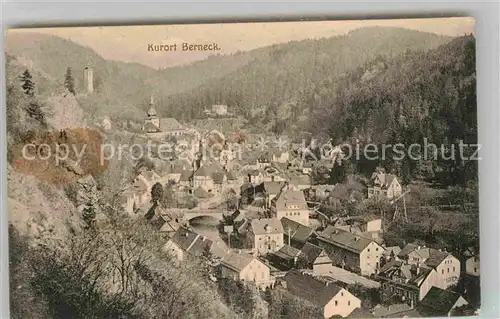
(130, 43)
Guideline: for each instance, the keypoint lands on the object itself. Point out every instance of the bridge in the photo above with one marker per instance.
(190, 214)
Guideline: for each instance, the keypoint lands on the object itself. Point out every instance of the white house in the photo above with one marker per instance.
(385, 185)
(238, 265)
(350, 250)
(472, 265)
(330, 299)
(291, 203)
(446, 265)
(266, 235)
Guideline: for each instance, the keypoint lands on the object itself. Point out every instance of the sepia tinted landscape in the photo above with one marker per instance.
(320, 169)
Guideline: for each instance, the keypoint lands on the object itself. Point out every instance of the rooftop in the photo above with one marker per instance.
(296, 230)
(190, 241)
(308, 288)
(311, 251)
(384, 179)
(344, 239)
(438, 302)
(287, 252)
(237, 260)
(170, 124)
(266, 226)
(290, 196)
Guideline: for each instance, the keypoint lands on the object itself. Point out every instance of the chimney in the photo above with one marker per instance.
(418, 247)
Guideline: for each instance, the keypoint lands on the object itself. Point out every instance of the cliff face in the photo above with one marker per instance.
(39, 209)
(64, 111)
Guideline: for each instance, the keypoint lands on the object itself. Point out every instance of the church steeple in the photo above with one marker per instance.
(151, 111)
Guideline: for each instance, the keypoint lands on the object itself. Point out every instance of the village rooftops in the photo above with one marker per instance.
(273, 188)
(438, 302)
(287, 252)
(406, 250)
(150, 176)
(170, 124)
(209, 169)
(200, 192)
(435, 257)
(311, 251)
(186, 176)
(394, 250)
(412, 275)
(290, 198)
(394, 311)
(344, 239)
(178, 166)
(236, 260)
(308, 288)
(296, 230)
(266, 226)
(432, 257)
(151, 128)
(301, 179)
(383, 179)
(361, 313)
(191, 242)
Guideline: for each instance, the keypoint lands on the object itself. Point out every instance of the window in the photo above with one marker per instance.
(376, 249)
(349, 303)
(453, 269)
(475, 269)
(448, 270)
(442, 271)
(342, 294)
(336, 303)
(368, 249)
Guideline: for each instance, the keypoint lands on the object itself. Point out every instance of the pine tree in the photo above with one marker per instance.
(69, 82)
(156, 193)
(28, 84)
(34, 110)
(89, 215)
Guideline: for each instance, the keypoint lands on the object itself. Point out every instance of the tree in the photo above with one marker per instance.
(156, 193)
(35, 111)
(169, 200)
(28, 84)
(69, 82)
(89, 215)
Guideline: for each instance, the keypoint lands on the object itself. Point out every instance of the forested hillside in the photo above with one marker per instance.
(283, 80)
(118, 85)
(416, 96)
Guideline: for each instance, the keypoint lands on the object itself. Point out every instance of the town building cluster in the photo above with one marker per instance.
(272, 233)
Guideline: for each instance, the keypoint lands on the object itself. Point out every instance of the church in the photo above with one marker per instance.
(161, 127)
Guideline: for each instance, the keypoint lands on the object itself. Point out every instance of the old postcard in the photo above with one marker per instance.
(307, 169)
